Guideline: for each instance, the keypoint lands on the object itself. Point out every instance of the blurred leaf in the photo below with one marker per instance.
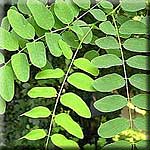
(2, 105)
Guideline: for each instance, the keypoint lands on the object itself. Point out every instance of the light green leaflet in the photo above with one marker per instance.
(63, 12)
(21, 66)
(91, 55)
(50, 73)
(20, 25)
(2, 59)
(86, 65)
(106, 4)
(65, 49)
(38, 112)
(98, 14)
(65, 121)
(7, 41)
(46, 92)
(109, 83)
(37, 53)
(6, 83)
(139, 62)
(142, 144)
(133, 6)
(141, 101)
(113, 127)
(85, 4)
(105, 104)
(35, 134)
(43, 17)
(2, 106)
(140, 81)
(106, 61)
(5, 23)
(103, 43)
(107, 28)
(52, 40)
(74, 102)
(136, 44)
(81, 81)
(77, 29)
(62, 142)
(133, 27)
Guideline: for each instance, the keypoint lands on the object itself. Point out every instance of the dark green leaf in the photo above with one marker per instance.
(91, 55)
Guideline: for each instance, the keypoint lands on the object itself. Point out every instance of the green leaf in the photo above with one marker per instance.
(105, 104)
(35, 134)
(2, 106)
(7, 41)
(107, 28)
(6, 83)
(5, 23)
(103, 43)
(113, 127)
(86, 65)
(81, 81)
(106, 61)
(133, 6)
(140, 81)
(77, 29)
(141, 101)
(98, 14)
(74, 102)
(62, 142)
(91, 55)
(46, 92)
(50, 73)
(116, 52)
(133, 27)
(65, 49)
(21, 66)
(109, 83)
(63, 12)
(106, 4)
(20, 25)
(38, 112)
(141, 145)
(65, 121)
(52, 40)
(37, 53)
(136, 44)
(85, 4)
(2, 59)
(141, 123)
(42, 15)
(139, 62)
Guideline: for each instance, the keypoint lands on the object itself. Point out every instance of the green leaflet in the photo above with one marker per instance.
(46, 92)
(107, 28)
(7, 41)
(35, 134)
(43, 17)
(5, 23)
(113, 127)
(133, 6)
(6, 83)
(105, 104)
(81, 81)
(142, 144)
(98, 14)
(38, 112)
(136, 44)
(50, 73)
(91, 55)
(141, 101)
(103, 43)
(140, 81)
(116, 52)
(2, 105)
(133, 27)
(20, 25)
(63, 12)
(109, 83)
(74, 102)
(85, 4)
(106, 61)
(2, 59)
(139, 62)
(52, 40)
(37, 53)
(21, 66)
(62, 142)
(65, 121)
(106, 4)
(65, 49)
(86, 65)
(77, 29)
